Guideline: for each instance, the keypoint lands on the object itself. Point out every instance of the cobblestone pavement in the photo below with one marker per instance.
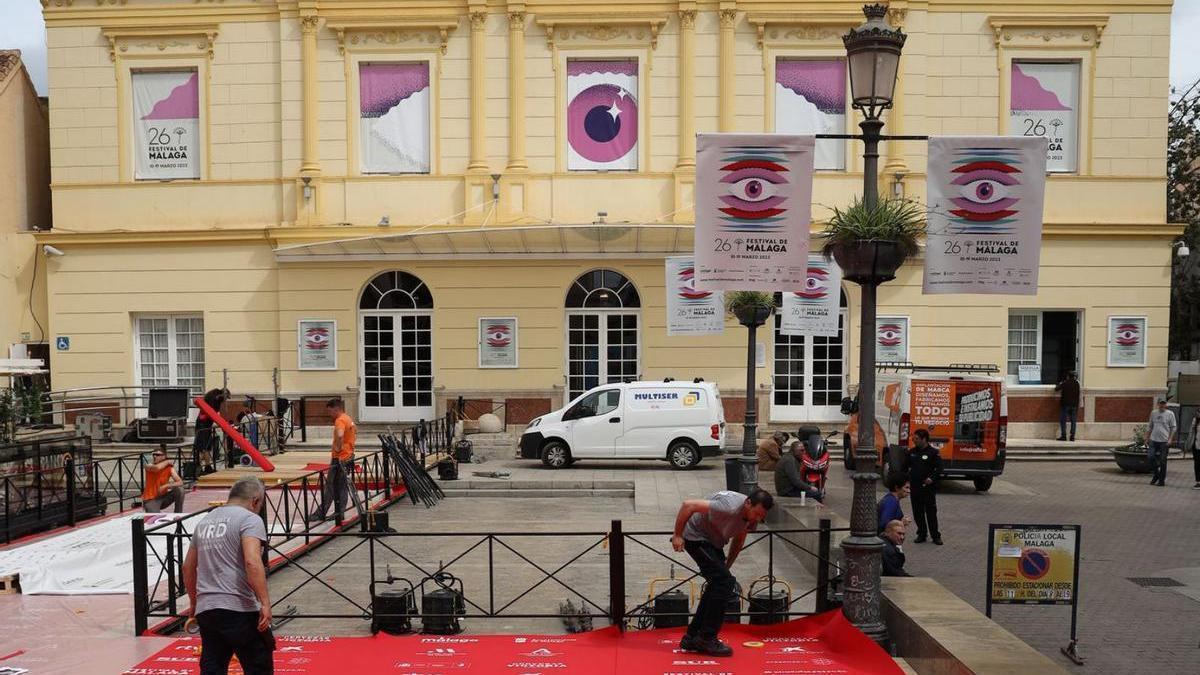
(1129, 529)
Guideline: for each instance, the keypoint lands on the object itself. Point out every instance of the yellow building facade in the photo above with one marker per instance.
(283, 214)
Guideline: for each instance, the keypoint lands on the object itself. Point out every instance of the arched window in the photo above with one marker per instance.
(396, 290)
(603, 331)
(603, 289)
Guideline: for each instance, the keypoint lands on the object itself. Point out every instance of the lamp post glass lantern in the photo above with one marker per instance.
(873, 52)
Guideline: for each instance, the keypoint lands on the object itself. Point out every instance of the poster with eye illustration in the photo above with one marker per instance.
(986, 196)
(753, 208)
(1127, 341)
(318, 344)
(498, 342)
(891, 338)
(815, 309)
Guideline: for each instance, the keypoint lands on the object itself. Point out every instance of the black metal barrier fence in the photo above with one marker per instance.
(376, 479)
(376, 549)
(70, 489)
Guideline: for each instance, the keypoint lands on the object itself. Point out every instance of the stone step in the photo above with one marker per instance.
(485, 484)
(544, 492)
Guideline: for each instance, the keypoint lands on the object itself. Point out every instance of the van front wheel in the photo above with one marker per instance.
(556, 455)
(683, 455)
(847, 453)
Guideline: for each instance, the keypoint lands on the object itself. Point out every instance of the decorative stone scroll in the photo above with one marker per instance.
(1079, 30)
(783, 28)
(389, 31)
(149, 40)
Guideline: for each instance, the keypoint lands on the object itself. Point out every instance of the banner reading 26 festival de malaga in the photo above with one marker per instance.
(753, 205)
(986, 196)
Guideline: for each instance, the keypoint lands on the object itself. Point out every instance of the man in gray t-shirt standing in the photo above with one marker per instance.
(1158, 437)
(227, 584)
(703, 527)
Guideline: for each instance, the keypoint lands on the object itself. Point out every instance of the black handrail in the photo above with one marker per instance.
(371, 546)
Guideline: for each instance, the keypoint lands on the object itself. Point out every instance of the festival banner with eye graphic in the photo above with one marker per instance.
(318, 344)
(166, 114)
(1044, 101)
(1127, 341)
(691, 311)
(986, 196)
(814, 310)
(498, 342)
(602, 115)
(891, 338)
(753, 207)
(393, 117)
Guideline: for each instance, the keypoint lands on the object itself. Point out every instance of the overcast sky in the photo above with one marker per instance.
(21, 27)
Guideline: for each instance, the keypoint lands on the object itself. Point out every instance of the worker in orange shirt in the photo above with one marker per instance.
(341, 464)
(163, 486)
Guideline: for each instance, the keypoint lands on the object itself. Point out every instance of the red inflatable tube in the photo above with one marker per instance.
(259, 459)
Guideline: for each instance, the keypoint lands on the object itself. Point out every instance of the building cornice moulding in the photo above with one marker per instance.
(600, 29)
(122, 38)
(390, 30)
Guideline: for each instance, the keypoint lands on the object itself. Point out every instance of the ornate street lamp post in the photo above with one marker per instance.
(873, 50)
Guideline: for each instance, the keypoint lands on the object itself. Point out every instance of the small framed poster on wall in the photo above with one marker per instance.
(498, 342)
(1126, 341)
(317, 344)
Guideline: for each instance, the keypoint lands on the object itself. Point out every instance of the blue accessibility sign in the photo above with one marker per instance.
(63, 343)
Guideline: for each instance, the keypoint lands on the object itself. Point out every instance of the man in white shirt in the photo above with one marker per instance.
(1161, 434)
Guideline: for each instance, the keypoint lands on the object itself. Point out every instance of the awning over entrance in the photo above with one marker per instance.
(524, 241)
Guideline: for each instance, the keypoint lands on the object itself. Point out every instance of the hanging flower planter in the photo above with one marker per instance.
(751, 308)
(870, 243)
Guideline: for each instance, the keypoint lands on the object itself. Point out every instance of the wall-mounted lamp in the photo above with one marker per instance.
(308, 189)
(495, 187)
(385, 221)
(898, 185)
(601, 218)
(1181, 250)
(52, 251)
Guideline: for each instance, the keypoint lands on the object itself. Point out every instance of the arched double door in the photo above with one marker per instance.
(603, 331)
(395, 314)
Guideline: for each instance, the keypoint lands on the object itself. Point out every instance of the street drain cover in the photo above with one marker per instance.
(1155, 582)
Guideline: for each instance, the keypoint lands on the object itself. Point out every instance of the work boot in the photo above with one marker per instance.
(937, 541)
(714, 647)
(687, 643)
(920, 539)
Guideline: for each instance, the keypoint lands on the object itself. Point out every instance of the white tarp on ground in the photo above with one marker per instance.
(90, 560)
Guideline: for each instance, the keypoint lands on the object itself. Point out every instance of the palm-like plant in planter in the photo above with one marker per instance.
(870, 242)
(751, 308)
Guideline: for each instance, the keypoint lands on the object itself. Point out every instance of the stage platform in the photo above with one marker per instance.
(825, 643)
(288, 465)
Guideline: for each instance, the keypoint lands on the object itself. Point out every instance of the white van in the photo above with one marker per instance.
(678, 422)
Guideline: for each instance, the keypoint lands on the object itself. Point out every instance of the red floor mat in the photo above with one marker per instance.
(823, 644)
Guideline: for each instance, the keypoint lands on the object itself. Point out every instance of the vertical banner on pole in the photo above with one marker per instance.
(753, 207)
(814, 310)
(691, 311)
(986, 196)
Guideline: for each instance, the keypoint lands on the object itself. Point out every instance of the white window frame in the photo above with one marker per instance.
(172, 353)
(432, 60)
(1080, 121)
(603, 314)
(809, 411)
(1037, 335)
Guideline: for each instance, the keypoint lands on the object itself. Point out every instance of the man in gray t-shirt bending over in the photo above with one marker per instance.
(703, 527)
(227, 584)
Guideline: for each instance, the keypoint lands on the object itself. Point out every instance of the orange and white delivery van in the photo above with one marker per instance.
(964, 408)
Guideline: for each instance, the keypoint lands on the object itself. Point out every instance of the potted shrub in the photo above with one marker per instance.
(752, 308)
(1132, 457)
(870, 243)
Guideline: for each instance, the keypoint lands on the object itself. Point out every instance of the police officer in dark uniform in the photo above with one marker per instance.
(924, 467)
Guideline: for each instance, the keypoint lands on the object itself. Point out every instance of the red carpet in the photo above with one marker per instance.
(826, 643)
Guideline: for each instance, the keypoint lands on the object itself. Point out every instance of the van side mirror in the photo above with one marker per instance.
(849, 406)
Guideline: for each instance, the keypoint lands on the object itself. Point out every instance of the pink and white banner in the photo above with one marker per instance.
(602, 115)
(986, 196)
(393, 102)
(753, 208)
(814, 310)
(691, 311)
(166, 128)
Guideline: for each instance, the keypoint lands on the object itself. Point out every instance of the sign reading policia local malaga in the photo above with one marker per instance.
(1035, 565)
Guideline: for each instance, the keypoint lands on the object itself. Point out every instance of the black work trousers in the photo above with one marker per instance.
(337, 486)
(924, 508)
(719, 588)
(224, 633)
